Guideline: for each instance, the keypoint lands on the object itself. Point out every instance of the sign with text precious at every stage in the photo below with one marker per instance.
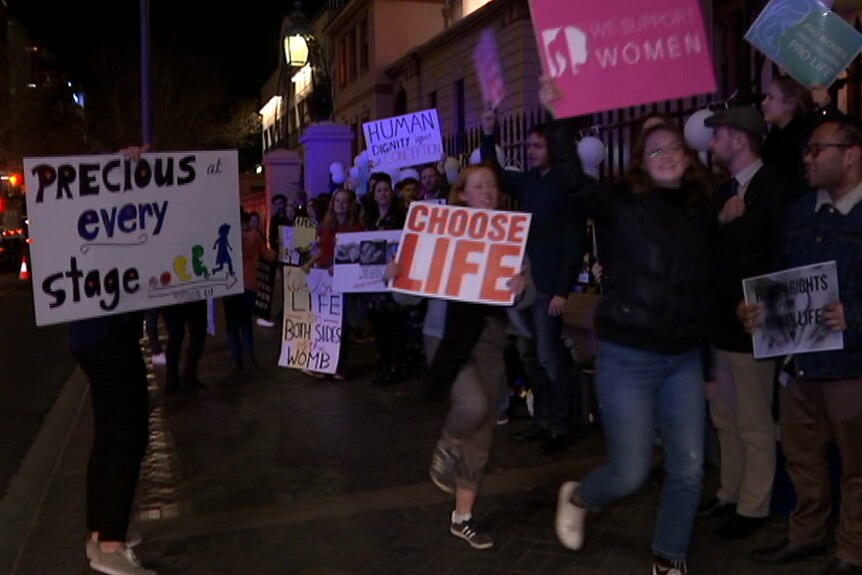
(403, 141)
(111, 234)
(793, 302)
(459, 253)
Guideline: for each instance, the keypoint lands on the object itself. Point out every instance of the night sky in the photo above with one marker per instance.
(243, 35)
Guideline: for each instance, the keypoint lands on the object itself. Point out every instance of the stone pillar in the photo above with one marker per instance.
(283, 175)
(323, 144)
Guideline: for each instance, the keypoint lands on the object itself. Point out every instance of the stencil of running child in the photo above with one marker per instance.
(223, 249)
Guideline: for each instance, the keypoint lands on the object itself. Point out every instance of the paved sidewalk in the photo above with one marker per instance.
(280, 473)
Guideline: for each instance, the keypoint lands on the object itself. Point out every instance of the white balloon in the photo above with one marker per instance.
(697, 135)
(338, 177)
(409, 173)
(591, 151)
(361, 159)
(336, 168)
(452, 164)
(354, 172)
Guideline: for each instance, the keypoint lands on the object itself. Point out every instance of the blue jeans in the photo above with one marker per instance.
(552, 381)
(637, 389)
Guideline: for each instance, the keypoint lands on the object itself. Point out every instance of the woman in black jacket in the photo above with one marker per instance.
(652, 325)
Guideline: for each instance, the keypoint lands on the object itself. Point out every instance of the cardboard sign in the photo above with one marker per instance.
(486, 60)
(361, 258)
(805, 38)
(296, 241)
(793, 302)
(311, 334)
(459, 253)
(618, 53)
(403, 141)
(112, 235)
(265, 285)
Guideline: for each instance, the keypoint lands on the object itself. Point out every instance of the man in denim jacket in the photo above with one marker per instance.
(822, 401)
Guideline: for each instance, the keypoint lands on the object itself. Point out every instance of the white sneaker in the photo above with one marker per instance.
(570, 518)
(133, 539)
(159, 359)
(122, 562)
(265, 322)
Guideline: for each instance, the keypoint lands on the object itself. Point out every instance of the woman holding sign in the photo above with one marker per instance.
(342, 216)
(470, 360)
(387, 317)
(652, 326)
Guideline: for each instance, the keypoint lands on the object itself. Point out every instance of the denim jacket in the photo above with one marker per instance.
(814, 237)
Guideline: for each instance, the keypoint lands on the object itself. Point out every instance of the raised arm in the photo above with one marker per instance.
(588, 197)
(513, 182)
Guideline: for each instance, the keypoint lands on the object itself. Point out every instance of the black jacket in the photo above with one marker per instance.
(783, 148)
(656, 253)
(745, 248)
(557, 239)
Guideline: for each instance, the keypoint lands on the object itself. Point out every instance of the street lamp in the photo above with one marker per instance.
(300, 49)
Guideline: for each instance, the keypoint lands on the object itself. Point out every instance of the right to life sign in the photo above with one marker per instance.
(619, 53)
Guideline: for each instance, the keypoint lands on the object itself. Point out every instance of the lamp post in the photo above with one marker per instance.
(300, 49)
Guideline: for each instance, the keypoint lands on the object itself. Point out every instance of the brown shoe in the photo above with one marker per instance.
(788, 552)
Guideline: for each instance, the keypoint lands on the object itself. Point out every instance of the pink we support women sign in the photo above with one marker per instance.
(618, 53)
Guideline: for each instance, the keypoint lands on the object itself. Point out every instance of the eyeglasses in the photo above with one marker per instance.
(814, 148)
(674, 148)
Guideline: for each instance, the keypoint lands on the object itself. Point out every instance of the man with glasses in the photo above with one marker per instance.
(752, 205)
(822, 402)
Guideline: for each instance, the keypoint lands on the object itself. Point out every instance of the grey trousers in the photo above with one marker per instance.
(475, 395)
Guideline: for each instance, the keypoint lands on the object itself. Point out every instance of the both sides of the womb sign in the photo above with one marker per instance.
(473, 252)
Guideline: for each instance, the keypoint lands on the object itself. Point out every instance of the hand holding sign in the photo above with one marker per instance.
(549, 94)
(489, 123)
(833, 316)
(749, 315)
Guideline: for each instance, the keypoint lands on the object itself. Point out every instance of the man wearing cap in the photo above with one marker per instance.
(741, 401)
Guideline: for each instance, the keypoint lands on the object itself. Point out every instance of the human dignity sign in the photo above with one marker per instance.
(619, 53)
(111, 234)
(402, 141)
(459, 253)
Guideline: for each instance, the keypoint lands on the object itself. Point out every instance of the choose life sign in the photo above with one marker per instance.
(793, 302)
(459, 253)
(805, 38)
(403, 141)
(619, 53)
(113, 235)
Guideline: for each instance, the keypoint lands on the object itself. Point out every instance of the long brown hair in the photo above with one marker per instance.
(330, 220)
(695, 179)
(799, 94)
(458, 187)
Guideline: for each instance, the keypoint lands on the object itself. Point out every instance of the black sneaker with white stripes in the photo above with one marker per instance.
(470, 532)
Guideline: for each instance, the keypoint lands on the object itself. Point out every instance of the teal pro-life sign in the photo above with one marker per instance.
(805, 38)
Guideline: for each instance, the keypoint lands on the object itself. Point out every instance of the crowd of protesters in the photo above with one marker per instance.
(675, 240)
